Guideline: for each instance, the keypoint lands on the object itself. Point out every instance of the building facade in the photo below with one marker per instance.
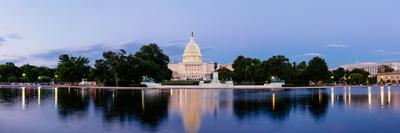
(372, 68)
(192, 66)
(391, 77)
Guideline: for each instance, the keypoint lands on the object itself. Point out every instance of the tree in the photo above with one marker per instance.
(8, 70)
(248, 70)
(125, 69)
(317, 70)
(356, 78)
(151, 54)
(338, 74)
(224, 73)
(360, 76)
(385, 69)
(114, 63)
(72, 69)
(278, 66)
(239, 67)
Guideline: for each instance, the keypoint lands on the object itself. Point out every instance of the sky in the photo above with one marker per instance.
(341, 31)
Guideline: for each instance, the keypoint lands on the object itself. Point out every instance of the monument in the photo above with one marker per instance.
(192, 66)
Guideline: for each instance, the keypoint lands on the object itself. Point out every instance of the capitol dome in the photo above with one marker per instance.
(192, 53)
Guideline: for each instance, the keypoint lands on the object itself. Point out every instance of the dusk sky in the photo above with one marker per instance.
(341, 31)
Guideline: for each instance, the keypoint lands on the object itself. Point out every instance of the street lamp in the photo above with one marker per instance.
(23, 74)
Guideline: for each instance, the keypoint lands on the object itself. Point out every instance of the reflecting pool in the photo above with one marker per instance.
(72, 110)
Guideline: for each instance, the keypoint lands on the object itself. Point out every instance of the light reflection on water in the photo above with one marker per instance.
(341, 109)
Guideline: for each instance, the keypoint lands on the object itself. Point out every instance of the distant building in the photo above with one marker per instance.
(192, 66)
(372, 68)
(391, 77)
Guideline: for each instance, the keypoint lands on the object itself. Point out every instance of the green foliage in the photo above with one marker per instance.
(120, 67)
(26, 73)
(359, 76)
(385, 69)
(72, 69)
(317, 70)
(338, 74)
(225, 74)
(278, 66)
(248, 69)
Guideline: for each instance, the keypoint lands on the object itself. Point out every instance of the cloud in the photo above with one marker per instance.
(14, 36)
(11, 58)
(2, 40)
(310, 54)
(383, 52)
(336, 46)
(175, 41)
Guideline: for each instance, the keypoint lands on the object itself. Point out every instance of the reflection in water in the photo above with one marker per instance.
(382, 90)
(369, 97)
(149, 110)
(56, 96)
(23, 98)
(192, 104)
(388, 98)
(253, 104)
(148, 107)
(38, 95)
(333, 96)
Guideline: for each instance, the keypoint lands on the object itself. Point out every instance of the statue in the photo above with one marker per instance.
(215, 66)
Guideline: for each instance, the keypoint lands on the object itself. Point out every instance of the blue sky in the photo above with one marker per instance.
(341, 31)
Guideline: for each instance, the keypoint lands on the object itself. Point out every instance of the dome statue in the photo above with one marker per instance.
(192, 53)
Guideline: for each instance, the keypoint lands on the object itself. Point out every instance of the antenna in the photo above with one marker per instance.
(356, 59)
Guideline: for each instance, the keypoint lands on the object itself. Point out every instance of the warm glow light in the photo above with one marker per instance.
(333, 96)
(39, 95)
(389, 93)
(143, 106)
(382, 95)
(345, 95)
(55, 96)
(349, 95)
(23, 75)
(320, 96)
(273, 101)
(369, 97)
(23, 98)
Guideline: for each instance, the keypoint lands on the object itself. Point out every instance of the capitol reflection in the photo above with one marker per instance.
(193, 104)
(152, 109)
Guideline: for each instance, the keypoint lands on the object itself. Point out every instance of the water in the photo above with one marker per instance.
(64, 110)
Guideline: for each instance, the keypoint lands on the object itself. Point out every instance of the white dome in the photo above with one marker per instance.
(192, 53)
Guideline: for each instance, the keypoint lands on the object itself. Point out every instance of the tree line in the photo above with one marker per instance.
(120, 68)
(247, 70)
(114, 69)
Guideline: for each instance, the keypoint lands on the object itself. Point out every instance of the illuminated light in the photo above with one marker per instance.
(273, 101)
(143, 106)
(23, 98)
(345, 95)
(333, 96)
(23, 75)
(39, 95)
(320, 96)
(369, 97)
(349, 95)
(382, 95)
(55, 96)
(389, 93)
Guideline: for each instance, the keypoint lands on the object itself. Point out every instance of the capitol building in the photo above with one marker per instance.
(192, 67)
